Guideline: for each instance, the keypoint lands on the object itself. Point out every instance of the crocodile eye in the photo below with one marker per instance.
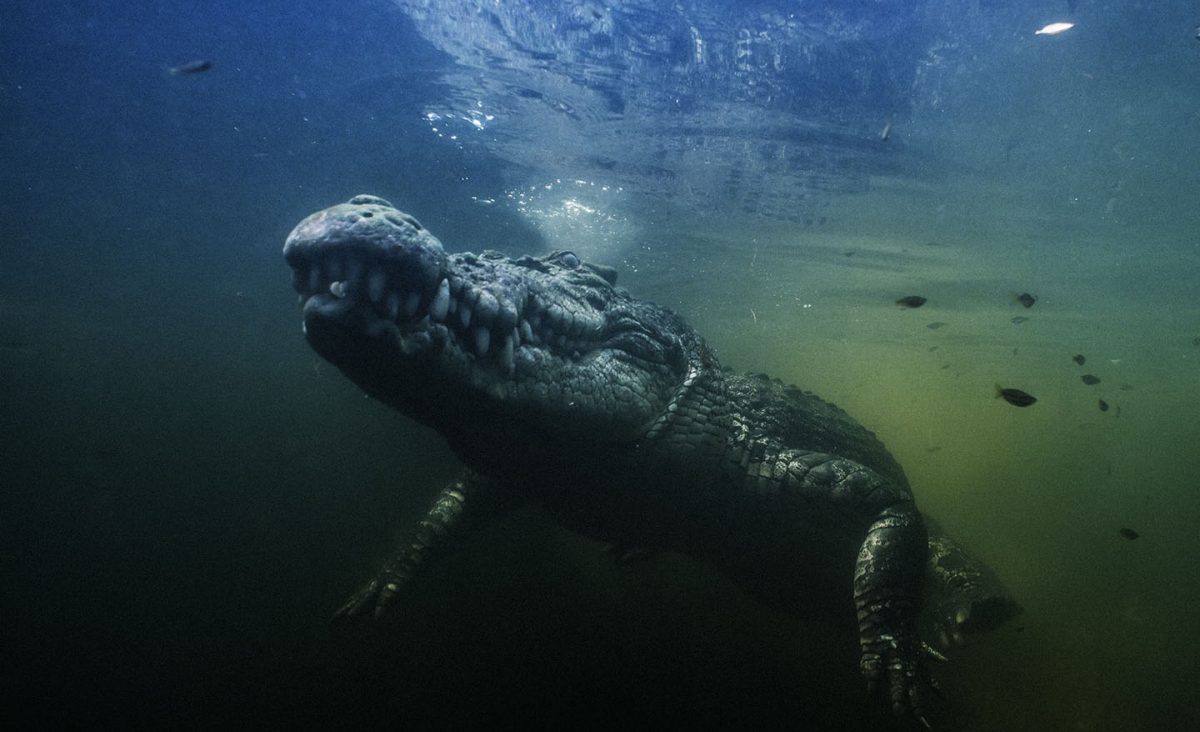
(568, 260)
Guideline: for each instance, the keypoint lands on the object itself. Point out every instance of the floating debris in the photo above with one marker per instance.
(1130, 534)
(1079, 358)
(1015, 397)
(1053, 29)
(936, 324)
(911, 301)
(192, 67)
(1089, 379)
(1026, 299)
(1103, 406)
(1019, 319)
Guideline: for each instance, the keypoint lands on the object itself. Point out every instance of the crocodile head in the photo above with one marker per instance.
(488, 350)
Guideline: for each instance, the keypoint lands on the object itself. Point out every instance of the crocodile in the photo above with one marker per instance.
(554, 386)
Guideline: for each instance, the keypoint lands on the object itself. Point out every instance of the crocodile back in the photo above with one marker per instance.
(773, 411)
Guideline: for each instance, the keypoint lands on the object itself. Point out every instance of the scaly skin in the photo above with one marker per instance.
(553, 385)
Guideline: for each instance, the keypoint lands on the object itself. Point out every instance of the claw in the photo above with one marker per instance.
(933, 652)
(924, 722)
(357, 602)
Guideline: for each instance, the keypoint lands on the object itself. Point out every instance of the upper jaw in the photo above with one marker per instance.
(371, 267)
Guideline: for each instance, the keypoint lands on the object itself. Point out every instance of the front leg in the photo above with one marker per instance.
(463, 504)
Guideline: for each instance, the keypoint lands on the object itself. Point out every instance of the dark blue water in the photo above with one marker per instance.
(187, 492)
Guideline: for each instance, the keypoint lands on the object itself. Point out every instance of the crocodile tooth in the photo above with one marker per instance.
(507, 317)
(488, 307)
(506, 355)
(441, 302)
(526, 331)
(464, 314)
(338, 288)
(393, 305)
(376, 282)
(482, 340)
(411, 302)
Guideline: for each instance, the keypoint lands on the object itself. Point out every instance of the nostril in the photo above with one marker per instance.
(367, 214)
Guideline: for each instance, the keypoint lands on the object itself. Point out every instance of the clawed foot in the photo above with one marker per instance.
(374, 597)
(898, 664)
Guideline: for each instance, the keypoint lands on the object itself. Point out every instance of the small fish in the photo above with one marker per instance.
(1015, 397)
(1103, 406)
(1129, 534)
(192, 67)
(1026, 299)
(936, 324)
(1019, 319)
(1053, 29)
(1079, 358)
(911, 301)
(1089, 379)
(887, 130)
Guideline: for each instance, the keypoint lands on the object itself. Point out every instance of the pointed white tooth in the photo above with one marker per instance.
(482, 340)
(464, 314)
(506, 356)
(337, 289)
(526, 331)
(376, 282)
(314, 278)
(441, 302)
(393, 305)
(487, 308)
(411, 302)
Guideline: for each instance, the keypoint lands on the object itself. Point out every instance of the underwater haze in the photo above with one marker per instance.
(188, 492)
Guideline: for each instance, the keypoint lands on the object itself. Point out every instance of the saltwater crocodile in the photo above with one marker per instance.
(553, 385)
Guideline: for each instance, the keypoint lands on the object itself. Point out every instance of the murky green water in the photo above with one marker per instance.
(187, 492)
